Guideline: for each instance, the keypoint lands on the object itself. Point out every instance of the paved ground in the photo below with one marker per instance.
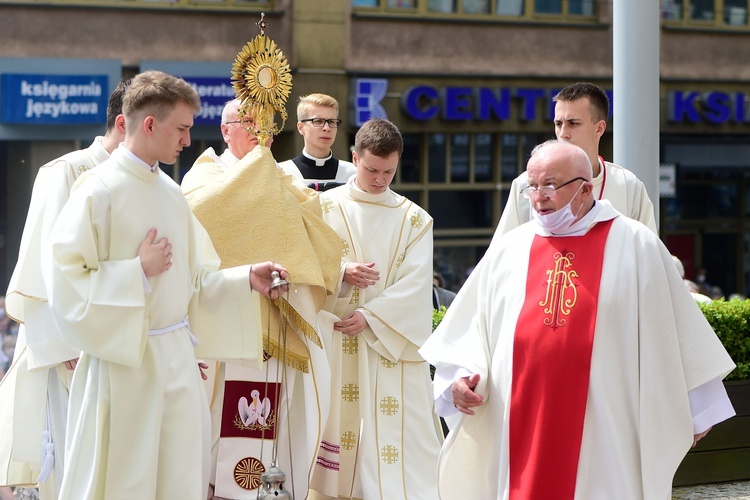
(723, 491)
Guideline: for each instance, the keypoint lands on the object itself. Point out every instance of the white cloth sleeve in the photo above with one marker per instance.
(709, 405)
(444, 401)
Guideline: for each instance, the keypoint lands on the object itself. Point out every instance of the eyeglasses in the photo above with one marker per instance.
(320, 122)
(547, 191)
(244, 123)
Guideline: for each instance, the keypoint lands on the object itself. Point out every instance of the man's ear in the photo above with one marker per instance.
(354, 158)
(601, 126)
(299, 128)
(120, 124)
(587, 188)
(148, 124)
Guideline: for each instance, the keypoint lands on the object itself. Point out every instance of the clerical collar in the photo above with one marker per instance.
(133, 157)
(319, 162)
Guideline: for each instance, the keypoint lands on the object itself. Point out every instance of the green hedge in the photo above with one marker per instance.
(730, 319)
(437, 316)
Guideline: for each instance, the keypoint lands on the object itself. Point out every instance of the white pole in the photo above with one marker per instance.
(635, 97)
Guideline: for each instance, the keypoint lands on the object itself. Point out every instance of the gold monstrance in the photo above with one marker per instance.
(262, 80)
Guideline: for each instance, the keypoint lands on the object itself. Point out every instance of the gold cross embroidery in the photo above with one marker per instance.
(389, 454)
(386, 363)
(355, 296)
(326, 204)
(400, 259)
(349, 345)
(82, 169)
(416, 220)
(389, 406)
(348, 440)
(562, 294)
(350, 393)
(345, 248)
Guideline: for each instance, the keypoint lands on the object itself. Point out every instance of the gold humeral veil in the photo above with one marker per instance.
(254, 213)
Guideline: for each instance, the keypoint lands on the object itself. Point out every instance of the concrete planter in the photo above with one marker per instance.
(723, 455)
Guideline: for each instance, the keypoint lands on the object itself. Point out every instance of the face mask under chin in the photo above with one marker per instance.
(560, 219)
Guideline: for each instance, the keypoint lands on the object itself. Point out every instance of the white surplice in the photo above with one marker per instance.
(382, 438)
(652, 347)
(138, 423)
(34, 395)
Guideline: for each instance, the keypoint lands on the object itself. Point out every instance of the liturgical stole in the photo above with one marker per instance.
(551, 364)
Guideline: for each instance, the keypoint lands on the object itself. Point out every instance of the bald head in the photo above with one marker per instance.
(563, 157)
(567, 169)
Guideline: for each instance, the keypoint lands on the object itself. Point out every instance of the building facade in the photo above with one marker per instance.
(469, 83)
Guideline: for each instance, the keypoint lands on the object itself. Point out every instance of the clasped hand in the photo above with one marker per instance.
(464, 397)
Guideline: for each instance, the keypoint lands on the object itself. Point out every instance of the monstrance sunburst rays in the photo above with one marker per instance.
(262, 80)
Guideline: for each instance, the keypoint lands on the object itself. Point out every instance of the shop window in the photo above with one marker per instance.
(510, 7)
(436, 158)
(528, 143)
(711, 200)
(702, 10)
(243, 5)
(548, 6)
(671, 10)
(735, 12)
(475, 6)
(402, 4)
(509, 157)
(505, 8)
(460, 158)
(461, 209)
(581, 7)
(446, 6)
(483, 157)
(408, 171)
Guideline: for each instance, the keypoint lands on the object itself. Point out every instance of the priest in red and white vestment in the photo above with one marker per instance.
(583, 368)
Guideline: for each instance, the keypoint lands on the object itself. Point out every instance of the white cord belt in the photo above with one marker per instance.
(184, 323)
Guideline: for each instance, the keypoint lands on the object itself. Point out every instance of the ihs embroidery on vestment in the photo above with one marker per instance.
(561, 295)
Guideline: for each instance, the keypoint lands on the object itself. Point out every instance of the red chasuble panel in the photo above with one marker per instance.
(551, 364)
(250, 409)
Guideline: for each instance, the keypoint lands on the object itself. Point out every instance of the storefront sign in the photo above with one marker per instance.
(424, 102)
(214, 94)
(712, 107)
(367, 93)
(464, 103)
(53, 99)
